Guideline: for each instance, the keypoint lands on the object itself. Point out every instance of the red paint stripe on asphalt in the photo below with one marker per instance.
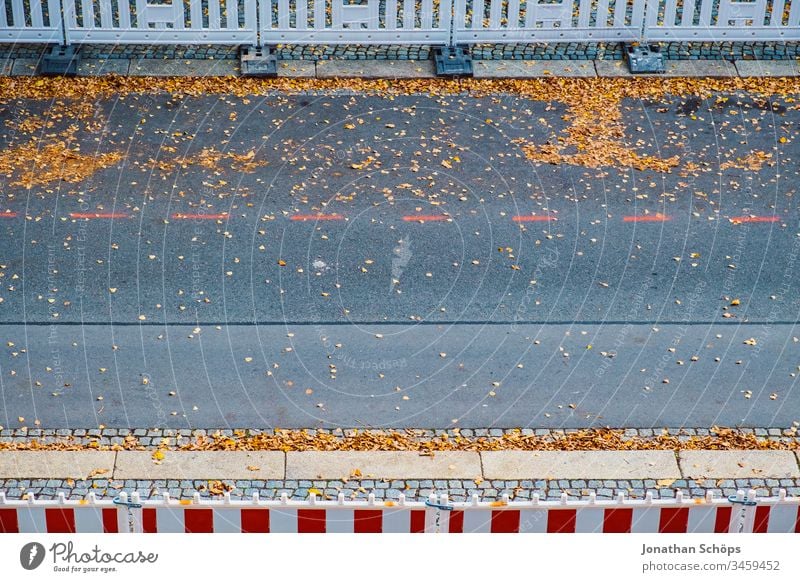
(425, 218)
(8, 214)
(741, 219)
(304, 217)
(533, 218)
(179, 216)
(647, 218)
(90, 215)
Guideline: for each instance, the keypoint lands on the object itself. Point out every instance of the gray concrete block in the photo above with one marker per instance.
(200, 465)
(343, 69)
(24, 67)
(579, 465)
(788, 68)
(56, 464)
(738, 464)
(516, 69)
(297, 68)
(184, 68)
(99, 67)
(382, 464)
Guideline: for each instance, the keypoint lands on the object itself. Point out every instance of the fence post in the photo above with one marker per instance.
(745, 511)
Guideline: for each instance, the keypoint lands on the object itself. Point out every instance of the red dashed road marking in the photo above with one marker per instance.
(8, 214)
(533, 218)
(647, 218)
(304, 217)
(97, 215)
(741, 219)
(426, 218)
(179, 216)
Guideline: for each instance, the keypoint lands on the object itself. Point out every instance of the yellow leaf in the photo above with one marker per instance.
(158, 456)
(314, 491)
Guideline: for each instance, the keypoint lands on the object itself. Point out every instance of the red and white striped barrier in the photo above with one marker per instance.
(742, 514)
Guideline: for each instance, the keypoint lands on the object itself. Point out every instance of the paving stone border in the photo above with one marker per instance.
(517, 51)
(413, 489)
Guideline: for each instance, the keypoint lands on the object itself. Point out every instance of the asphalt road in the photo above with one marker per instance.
(394, 240)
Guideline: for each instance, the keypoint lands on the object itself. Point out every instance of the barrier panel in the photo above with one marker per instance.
(740, 514)
(175, 22)
(722, 20)
(31, 21)
(503, 21)
(409, 22)
(330, 22)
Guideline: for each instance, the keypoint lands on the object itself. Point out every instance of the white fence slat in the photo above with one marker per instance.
(232, 14)
(214, 18)
(18, 13)
(319, 14)
(584, 13)
(688, 12)
(106, 14)
(124, 13)
(302, 14)
(391, 15)
(794, 13)
(776, 19)
(408, 14)
(283, 14)
(494, 13)
(513, 13)
(602, 14)
(427, 14)
(196, 13)
(37, 20)
(478, 8)
(670, 12)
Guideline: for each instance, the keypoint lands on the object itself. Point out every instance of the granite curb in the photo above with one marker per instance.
(486, 465)
(412, 69)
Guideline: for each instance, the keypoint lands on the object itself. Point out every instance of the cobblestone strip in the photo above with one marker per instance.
(413, 489)
(166, 437)
(542, 51)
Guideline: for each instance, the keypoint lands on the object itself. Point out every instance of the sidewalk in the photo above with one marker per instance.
(412, 69)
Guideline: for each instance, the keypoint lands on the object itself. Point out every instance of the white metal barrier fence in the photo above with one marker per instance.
(722, 20)
(430, 22)
(327, 22)
(31, 21)
(175, 22)
(741, 514)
